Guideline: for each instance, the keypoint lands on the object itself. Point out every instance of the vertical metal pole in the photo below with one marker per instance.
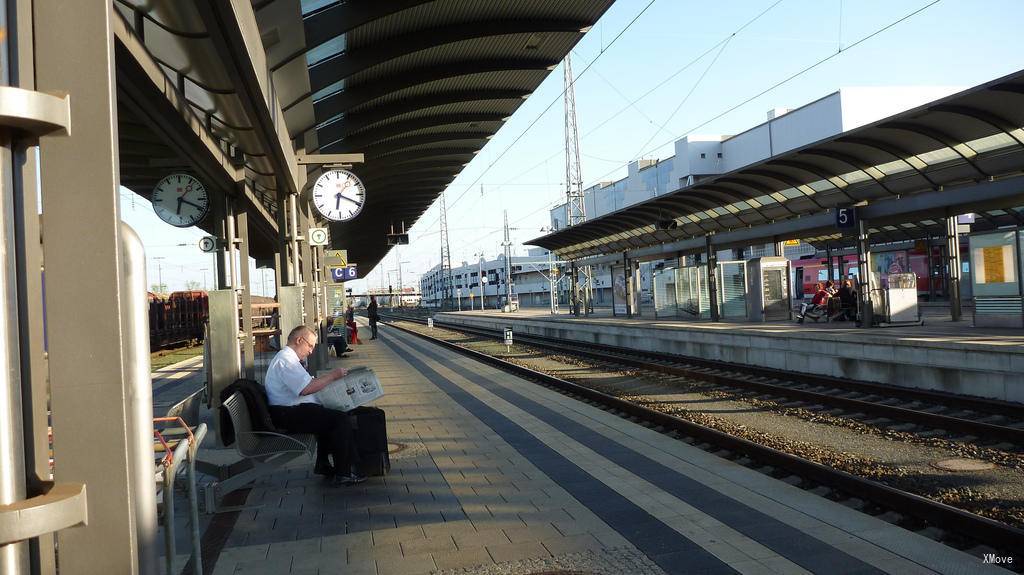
(864, 273)
(573, 291)
(293, 240)
(953, 255)
(480, 269)
(248, 343)
(218, 210)
(34, 386)
(230, 245)
(308, 292)
(193, 504)
(780, 249)
(14, 558)
(627, 271)
(828, 262)
(931, 266)
(712, 258)
(1020, 276)
(551, 282)
(285, 276)
(75, 55)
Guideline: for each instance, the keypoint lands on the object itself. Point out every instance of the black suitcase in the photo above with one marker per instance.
(371, 435)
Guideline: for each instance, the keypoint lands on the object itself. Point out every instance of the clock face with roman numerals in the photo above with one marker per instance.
(180, 200)
(339, 195)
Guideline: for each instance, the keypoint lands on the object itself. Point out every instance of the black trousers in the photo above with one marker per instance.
(332, 428)
(373, 328)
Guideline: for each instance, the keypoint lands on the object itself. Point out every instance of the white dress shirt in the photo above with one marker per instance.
(286, 378)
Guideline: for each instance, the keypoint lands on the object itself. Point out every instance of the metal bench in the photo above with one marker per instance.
(265, 451)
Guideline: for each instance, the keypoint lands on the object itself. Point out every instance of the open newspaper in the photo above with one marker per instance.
(359, 387)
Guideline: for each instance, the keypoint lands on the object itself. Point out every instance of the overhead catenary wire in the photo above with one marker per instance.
(548, 107)
(779, 83)
(629, 103)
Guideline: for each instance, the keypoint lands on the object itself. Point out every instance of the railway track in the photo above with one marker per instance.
(959, 526)
(965, 418)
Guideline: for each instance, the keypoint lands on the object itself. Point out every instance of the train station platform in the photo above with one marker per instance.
(492, 474)
(940, 355)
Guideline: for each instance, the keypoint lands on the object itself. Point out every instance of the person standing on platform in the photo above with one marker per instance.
(371, 314)
(295, 408)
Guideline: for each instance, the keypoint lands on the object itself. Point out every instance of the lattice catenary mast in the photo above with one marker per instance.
(446, 259)
(575, 206)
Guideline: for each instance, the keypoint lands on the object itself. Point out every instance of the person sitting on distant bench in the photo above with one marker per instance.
(337, 336)
(295, 408)
(818, 303)
(847, 302)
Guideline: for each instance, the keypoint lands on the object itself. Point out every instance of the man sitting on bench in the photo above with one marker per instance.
(295, 409)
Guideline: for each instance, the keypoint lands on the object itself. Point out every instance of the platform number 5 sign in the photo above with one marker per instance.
(846, 218)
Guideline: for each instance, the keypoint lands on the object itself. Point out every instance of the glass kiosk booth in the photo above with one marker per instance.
(768, 297)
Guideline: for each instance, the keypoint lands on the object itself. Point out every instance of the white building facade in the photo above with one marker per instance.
(698, 157)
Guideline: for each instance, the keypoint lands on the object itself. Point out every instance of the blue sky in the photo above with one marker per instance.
(949, 43)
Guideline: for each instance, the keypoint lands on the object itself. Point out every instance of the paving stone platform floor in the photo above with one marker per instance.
(493, 474)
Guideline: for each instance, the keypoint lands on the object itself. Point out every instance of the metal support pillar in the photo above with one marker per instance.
(780, 249)
(248, 342)
(285, 277)
(931, 267)
(953, 263)
(293, 239)
(828, 266)
(627, 270)
(24, 468)
(712, 258)
(219, 215)
(82, 250)
(864, 274)
(574, 292)
(306, 259)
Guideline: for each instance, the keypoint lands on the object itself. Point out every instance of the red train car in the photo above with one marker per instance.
(808, 272)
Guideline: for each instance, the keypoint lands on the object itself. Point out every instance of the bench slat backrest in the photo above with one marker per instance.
(245, 441)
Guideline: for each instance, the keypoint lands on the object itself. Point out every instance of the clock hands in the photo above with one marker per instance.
(180, 200)
(339, 196)
(184, 201)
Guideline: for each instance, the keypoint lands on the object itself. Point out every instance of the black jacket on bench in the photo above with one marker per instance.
(255, 397)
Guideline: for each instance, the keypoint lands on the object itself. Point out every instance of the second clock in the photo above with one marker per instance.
(339, 195)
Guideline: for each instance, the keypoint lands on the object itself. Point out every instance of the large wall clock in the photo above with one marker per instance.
(180, 200)
(339, 195)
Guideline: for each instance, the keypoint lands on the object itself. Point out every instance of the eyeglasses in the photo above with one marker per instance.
(307, 342)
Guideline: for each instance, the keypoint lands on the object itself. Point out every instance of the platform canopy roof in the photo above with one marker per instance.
(970, 137)
(419, 87)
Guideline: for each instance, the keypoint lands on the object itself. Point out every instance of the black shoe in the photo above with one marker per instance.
(325, 469)
(350, 479)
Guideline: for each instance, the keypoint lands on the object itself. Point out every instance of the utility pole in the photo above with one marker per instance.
(159, 274)
(575, 207)
(446, 259)
(508, 266)
(480, 278)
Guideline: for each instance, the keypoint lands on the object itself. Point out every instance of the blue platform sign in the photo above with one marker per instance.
(344, 274)
(846, 218)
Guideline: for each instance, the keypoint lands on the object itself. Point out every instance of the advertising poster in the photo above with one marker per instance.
(885, 263)
(619, 290)
(994, 264)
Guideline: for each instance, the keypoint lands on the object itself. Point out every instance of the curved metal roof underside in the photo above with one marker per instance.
(972, 136)
(419, 87)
